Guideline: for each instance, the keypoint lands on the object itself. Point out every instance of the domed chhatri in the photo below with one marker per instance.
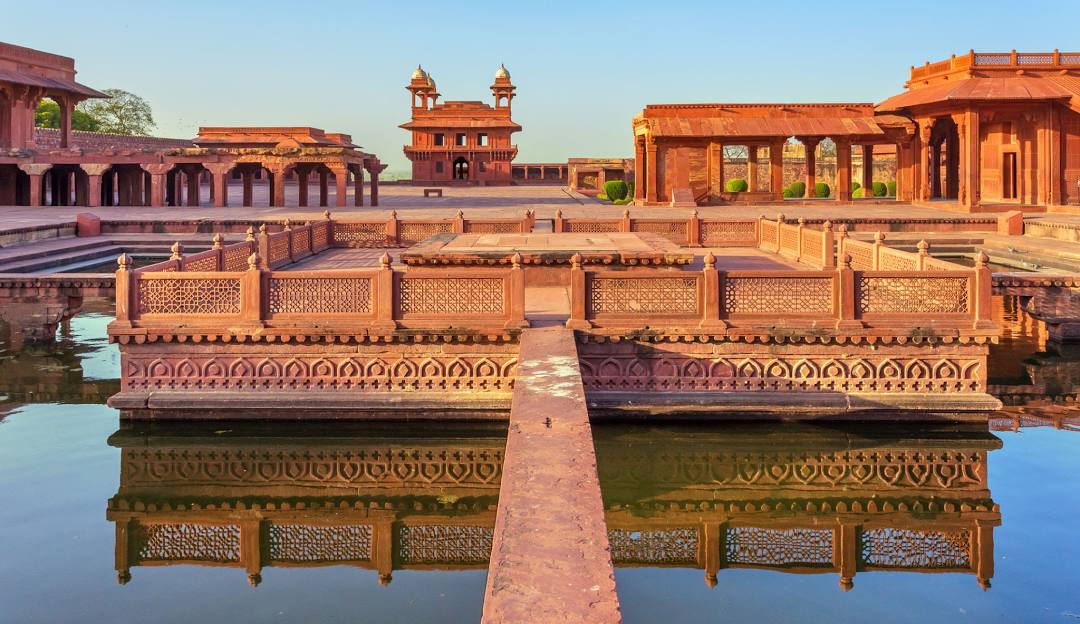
(502, 72)
(420, 74)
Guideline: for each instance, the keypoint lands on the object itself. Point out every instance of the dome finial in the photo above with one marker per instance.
(502, 72)
(419, 73)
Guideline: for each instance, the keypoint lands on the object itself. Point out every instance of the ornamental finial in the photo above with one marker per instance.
(575, 261)
(123, 262)
(177, 251)
(515, 260)
(384, 261)
(216, 241)
(250, 234)
(710, 261)
(253, 262)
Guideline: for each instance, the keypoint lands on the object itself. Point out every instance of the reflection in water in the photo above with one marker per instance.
(80, 366)
(799, 499)
(250, 496)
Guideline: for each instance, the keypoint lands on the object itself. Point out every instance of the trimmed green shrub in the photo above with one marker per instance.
(788, 194)
(736, 185)
(615, 189)
(624, 201)
(890, 188)
(857, 192)
(798, 189)
(822, 190)
(855, 186)
(602, 197)
(879, 189)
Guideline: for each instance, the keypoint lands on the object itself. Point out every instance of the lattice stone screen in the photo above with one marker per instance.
(912, 295)
(410, 234)
(913, 548)
(659, 546)
(659, 295)
(719, 232)
(368, 235)
(320, 295)
(764, 295)
(300, 543)
(451, 295)
(188, 542)
(445, 544)
(779, 547)
(674, 231)
(188, 296)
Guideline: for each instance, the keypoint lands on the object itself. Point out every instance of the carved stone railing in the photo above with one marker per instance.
(876, 256)
(997, 60)
(798, 241)
(376, 300)
(840, 299)
(395, 232)
(692, 231)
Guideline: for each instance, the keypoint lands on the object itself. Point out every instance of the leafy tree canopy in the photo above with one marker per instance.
(121, 113)
(48, 116)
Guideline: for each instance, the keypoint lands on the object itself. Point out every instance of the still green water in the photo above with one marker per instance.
(380, 523)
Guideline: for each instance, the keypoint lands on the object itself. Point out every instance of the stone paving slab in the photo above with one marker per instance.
(550, 561)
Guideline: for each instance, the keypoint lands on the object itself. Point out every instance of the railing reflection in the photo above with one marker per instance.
(799, 500)
(251, 496)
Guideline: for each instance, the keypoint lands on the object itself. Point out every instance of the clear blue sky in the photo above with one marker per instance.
(583, 69)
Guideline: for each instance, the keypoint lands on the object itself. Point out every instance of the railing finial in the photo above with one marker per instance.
(802, 221)
(845, 262)
(177, 251)
(384, 261)
(710, 261)
(515, 260)
(262, 229)
(123, 262)
(216, 241)
(249, 236)
(575, 261)
(924, 247)
(981, 260)
(253, 262)
(460, 214)
(287, 225)
(326, 215)
(827, 225)
(879, 236)
(558, 213)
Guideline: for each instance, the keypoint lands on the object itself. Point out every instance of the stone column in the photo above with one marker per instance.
(108, 188)
(278, 187)
(219, 183)
(650, 163)
(36, 172)
(93, 174)
(639, 169)
(123, 188)
(974, 162)
(358, 182)
(158, 183)
(301, 185)
(868, 170)
(341, 184)
(194, 184)
(810, 146)
(248, 178)
(923, 177)
(843, 171)
(751, 168)
(135, 182)
(776, 169)
(66, 108)
(324, 187)
(374, 171)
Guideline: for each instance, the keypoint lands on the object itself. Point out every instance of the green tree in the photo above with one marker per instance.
(121, 113)
(47, 115)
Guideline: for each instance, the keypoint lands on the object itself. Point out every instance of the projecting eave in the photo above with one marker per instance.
(990, 89)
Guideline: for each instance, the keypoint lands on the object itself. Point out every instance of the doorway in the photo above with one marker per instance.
(1008, 176)
(461, 168)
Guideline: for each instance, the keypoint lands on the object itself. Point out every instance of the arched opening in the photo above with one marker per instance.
(825, 175)
(183, 184)
(794, 163)
(14, 186)
(944, 159)
(5, 119)
(733, 167)
(461, 168)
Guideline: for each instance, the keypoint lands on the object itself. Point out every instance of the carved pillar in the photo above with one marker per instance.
(776, 169)
(751, 168)
(843, 171)
(923, 174)
(868, 170)
(66, 108)
(158, 174)
(93, 175)
(248, 178)
(358, 182)
(639, 169)
(810, 148)
(277, 187)
(324, 187)
(846, 554)
(219, 183)
(341, 184)
(36, 173)
(651, 173)
(301, 185)
(194, 184)
(972, 161)
(374, 171)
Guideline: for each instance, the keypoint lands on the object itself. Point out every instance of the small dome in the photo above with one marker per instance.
(501, 72)
(419, 73)
(431, 81)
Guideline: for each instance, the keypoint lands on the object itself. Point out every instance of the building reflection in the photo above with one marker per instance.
(249, 496)
(799, 499)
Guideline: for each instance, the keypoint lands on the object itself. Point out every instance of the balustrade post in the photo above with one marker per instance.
(983, 553)
(251, 532)
(251, 290)
(384, 296)
(693, 230)
(122, 552)
(712, 543)
(924, 253)
(517, 295)
(559, 225)
(798, 240)
(710, 307)
(828, 255)
(286, 226)
(393, 229)
(382, 548)
(879, 242)
(329, 228)
(625, 225)
(459, 223)
(779, 229)
(845, 295)
(264, 247)
(123, 288)
(841, 241)
(982, 296)
(177, 255)
(846, 553)
(219, 255)
(577, 295)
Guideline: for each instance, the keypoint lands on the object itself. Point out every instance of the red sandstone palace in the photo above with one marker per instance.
(460, 142)
(981, 131)
(40, 166)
